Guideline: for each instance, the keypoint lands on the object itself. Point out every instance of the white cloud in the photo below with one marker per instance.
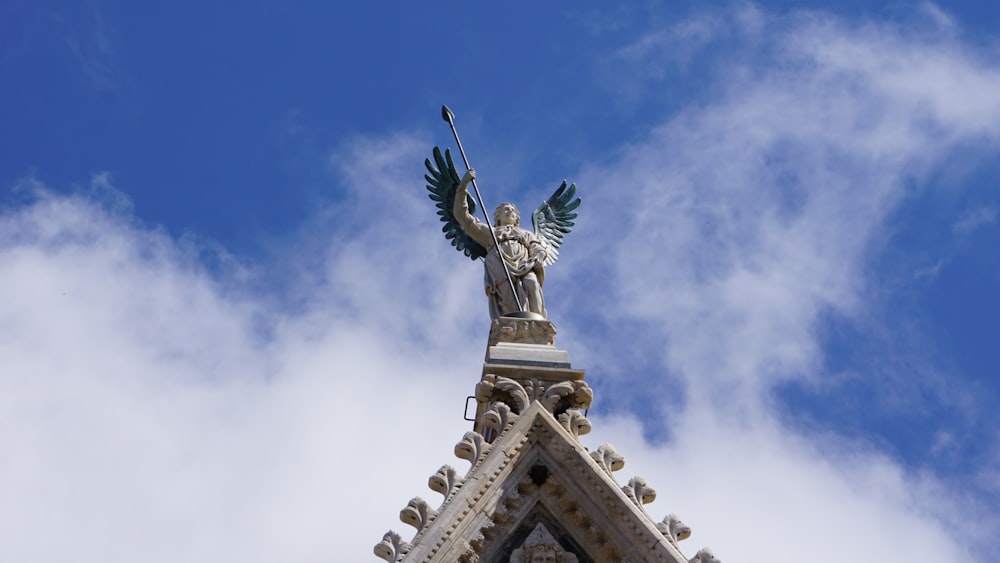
(145, 418)
(761, 493)
(760, 209)
(735, 227)
(973, 219)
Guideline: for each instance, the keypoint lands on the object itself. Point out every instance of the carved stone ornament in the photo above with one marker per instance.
(498, 417)
(674, 529)
(391, 546)
(608, 458)
(541, 547)
(574, 422)
(444, 481)
(639, 491)
(522, 331)
(555, 396)
(417, 513)
(705, 556)
(471, 447)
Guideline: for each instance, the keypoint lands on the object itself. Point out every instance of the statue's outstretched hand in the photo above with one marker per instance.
(469, 176)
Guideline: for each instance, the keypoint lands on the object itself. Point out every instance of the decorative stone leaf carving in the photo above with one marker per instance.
(471, 447)
(541, 546)
(534, 388)
(514, 500)
(574, 421)
(583, 396)
(391, 546)
(608, 458)
(503, 515)
(444, 481)
(484, 389)
(469, 556)
(417, 513)
(639, 491)
(555, 393)
(674, 529)
(704, 556)
(476, 545)
(518, 395)
(498, 417)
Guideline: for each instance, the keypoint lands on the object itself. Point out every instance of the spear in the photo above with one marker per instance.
(448, 116)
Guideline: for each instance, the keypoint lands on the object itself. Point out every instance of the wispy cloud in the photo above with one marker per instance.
(93, 46)
(145, 416)
(760, 210)
(974, 219)
(750, 218)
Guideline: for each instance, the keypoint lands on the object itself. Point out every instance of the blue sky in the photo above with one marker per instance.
(231, 327)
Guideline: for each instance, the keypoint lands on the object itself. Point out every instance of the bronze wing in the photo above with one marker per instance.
(442, 183)
(554, 218)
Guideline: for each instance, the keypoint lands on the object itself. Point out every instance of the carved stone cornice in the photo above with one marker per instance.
(535, 468)
(555, 396)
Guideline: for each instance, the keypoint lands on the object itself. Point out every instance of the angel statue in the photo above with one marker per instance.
(515, 258)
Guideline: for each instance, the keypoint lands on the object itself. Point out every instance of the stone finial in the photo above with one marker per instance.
(541, 547)
(674, 529)
(471, 447)
(499, 389)
(391, 546)
(639, 491)
(555, 392)
(417, 513)
(608, 458)
(444, 481)
(498, 417)
(705, 555)
(583, 396)
(574, 421)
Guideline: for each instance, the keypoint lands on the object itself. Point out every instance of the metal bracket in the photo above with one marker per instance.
(465, 415)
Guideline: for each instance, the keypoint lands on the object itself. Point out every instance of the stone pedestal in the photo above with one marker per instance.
(522, 331)
(522, 364)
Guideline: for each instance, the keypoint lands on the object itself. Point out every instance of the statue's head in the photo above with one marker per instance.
(506, 214)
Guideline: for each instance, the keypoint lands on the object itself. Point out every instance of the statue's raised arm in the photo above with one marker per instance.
(524, 253)
(476, 229)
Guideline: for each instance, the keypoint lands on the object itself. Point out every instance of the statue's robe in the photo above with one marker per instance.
(525, 255)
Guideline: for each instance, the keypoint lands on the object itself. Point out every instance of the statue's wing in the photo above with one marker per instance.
(442, 183)
(554, 218)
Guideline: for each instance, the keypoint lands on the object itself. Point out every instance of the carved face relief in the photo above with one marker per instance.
(541, 547)
(542, 556)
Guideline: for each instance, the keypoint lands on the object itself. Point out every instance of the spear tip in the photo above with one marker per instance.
(447, 115)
